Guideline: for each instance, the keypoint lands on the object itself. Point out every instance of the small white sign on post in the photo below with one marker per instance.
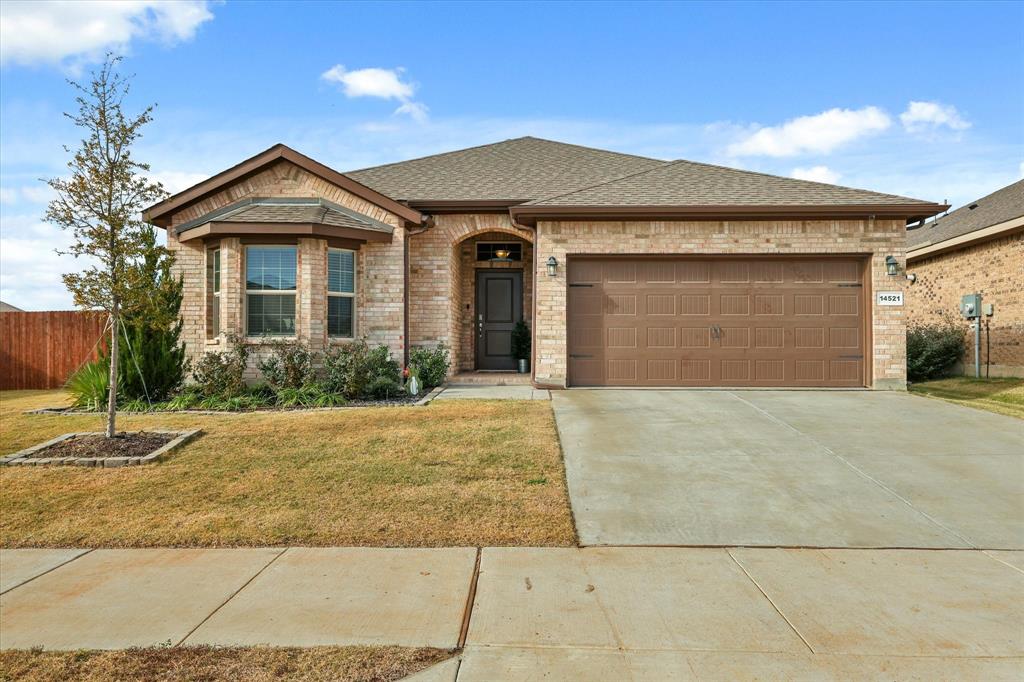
(889, 298)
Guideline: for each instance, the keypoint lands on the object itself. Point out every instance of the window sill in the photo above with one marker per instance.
(269, 340)
(338, 340)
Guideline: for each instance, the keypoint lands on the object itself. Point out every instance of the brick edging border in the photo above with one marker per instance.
(23, 458)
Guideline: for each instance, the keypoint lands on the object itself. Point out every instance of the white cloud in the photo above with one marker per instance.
(924, 117)
(8, 195)
(70, 33)
(820, 133)
(30, 269)
(816, 174)
(380, 83)
(175, 181)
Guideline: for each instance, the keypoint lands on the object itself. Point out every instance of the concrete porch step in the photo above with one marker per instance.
(490, 379)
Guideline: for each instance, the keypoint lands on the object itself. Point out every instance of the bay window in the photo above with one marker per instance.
(341, 293)
(270, 276)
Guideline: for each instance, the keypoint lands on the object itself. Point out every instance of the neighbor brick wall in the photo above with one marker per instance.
(995, 269)
(436, 281)
(879, 238)
(379, 269)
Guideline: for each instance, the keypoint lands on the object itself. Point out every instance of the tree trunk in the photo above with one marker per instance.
(115, 322)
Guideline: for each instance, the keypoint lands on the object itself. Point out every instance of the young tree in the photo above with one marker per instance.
(101, 204)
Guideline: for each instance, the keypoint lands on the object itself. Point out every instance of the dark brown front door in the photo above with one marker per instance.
(706, 321)
(499, 305)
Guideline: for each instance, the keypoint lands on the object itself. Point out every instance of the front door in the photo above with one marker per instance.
(499, 305)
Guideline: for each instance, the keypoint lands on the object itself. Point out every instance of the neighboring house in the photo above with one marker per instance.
(978, 248)
(8, 308)
(630, 271)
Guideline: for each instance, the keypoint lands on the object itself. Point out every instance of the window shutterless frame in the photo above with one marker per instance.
(341, 293)
(213, 271)
(271, 274)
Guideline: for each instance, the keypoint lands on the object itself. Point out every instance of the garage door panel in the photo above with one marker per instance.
(711, 322)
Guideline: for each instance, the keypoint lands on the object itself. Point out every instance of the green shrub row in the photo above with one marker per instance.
(291, 376)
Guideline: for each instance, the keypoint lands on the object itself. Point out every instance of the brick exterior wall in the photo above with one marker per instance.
(437, 283)
(876, 238)
(380, 282)
(995, 269)
(468, 267)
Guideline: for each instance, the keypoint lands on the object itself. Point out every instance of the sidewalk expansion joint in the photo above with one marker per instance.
(774, 606)
(49, 570)
(232, 596)
(467, 612)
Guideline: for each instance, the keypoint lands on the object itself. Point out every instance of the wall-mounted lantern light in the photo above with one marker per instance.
(552, 266)
(892, 266)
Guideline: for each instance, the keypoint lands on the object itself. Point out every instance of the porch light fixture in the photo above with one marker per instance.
(552, 266)
(502, 256)
(892, 266)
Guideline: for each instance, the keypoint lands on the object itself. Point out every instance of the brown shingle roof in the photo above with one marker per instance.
(687, 183)
(998, 207)
(514, 170)
(301, 211)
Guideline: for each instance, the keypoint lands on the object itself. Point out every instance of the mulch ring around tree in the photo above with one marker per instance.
(123, 444)
(95, 449)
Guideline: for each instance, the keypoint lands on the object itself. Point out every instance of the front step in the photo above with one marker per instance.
(490, 379)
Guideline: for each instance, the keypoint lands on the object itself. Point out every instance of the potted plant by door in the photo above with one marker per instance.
(521, 346)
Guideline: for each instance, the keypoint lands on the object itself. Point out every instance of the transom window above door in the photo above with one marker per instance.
(499, 251)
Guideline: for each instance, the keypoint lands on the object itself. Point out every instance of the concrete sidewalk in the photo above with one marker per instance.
(605, 613)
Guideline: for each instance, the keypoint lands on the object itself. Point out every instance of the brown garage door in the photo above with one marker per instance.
(716, 322)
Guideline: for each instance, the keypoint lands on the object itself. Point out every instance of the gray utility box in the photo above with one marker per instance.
(970, 306)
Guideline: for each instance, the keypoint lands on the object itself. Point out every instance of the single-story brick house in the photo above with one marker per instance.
(630, 271)
(978, 248)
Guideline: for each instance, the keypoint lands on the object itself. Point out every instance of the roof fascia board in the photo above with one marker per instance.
(993, 231)
(159, 213)
(907, 211)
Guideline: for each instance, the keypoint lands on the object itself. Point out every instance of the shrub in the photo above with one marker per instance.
(932, 349)
(151, 360)
(351, 369)
(521, 341)
(222, 373)
(88, 386)
(383, 388)
(431, 366)
(289, 366)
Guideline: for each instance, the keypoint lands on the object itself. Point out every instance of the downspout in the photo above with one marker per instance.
(427, 224)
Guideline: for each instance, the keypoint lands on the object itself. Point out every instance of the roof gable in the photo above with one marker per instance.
(506, 173)
(160, 213)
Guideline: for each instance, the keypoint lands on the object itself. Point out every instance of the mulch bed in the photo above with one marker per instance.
(122, 445)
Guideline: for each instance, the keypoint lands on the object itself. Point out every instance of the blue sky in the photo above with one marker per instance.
(920, 99)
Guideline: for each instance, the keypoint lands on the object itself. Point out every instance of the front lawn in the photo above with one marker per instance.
(454, 473)
(195, 664)
(1002, 396)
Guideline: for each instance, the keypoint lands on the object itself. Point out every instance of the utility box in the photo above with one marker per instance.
(970, 306)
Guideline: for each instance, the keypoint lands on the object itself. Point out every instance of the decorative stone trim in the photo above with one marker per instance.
(24, 458)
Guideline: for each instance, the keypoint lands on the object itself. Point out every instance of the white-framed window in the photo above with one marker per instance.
(341, 293)
(213, 293)
(270, 276)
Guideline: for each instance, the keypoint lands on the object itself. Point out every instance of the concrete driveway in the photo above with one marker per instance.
(790, 469)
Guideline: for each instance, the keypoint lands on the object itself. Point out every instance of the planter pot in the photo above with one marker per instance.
(524, 366)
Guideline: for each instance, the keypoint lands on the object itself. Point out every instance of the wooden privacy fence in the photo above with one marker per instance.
(41, 350)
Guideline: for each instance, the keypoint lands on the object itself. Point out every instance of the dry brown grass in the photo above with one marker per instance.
(1002, 395)
(206, 664)
(466, 473)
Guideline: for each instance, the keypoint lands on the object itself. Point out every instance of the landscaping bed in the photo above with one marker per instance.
(95, 449)
(453, 473)
(254, 664)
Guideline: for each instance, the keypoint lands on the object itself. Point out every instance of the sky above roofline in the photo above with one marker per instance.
(849, 93)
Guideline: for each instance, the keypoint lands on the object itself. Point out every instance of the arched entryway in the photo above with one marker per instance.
(493, 285)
